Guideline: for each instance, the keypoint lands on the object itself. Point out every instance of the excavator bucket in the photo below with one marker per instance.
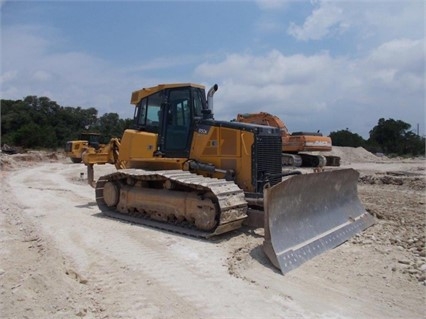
(308, 214)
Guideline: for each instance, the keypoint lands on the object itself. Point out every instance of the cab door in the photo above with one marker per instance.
(177, 120)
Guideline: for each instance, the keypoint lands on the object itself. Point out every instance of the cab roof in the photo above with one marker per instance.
(142, 93)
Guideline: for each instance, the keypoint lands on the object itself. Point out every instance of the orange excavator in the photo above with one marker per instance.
(296, 147)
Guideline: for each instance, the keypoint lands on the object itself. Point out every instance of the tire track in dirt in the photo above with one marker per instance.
(182, 283)
(36, 281)
(130, 268)
(134, 271)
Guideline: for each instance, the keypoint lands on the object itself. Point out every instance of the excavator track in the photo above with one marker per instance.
(332, 160)
(293, 160)
(311, 160)
(225, 197)
(303, 160)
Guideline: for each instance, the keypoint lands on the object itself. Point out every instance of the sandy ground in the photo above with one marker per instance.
(60, 258)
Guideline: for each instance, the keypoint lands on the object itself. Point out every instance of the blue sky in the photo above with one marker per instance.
(318, 65)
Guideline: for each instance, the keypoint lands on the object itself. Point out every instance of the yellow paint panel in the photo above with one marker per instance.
(226, 149)
(137, 144)
(229, 142)
(142, 93)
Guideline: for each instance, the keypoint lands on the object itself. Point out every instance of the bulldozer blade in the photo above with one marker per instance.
(309, 214)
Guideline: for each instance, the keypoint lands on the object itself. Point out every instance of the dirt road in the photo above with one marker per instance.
(60, 258)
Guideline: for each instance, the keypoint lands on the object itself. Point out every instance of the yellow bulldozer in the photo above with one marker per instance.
(75, 148)
(298, 148)
(181, 170)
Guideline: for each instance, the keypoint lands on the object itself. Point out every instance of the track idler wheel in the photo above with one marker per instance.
(111, 194)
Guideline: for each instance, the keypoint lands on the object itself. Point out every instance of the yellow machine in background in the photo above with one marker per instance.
(297, 146)
(74, 149)
(179, 169)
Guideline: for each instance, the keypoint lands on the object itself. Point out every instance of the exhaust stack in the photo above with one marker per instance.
(210, 94)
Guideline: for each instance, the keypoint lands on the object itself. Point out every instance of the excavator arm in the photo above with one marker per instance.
(263, 118)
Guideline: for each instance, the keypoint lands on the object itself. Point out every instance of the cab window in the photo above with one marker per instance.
(198, 101)
(147, 116)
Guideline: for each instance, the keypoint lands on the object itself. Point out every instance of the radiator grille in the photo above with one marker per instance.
(266, 160)
(68, 147)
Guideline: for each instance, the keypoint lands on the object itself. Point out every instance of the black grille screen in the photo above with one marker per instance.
(68, 147)
(266, 160)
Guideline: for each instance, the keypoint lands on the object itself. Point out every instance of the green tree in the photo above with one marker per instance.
(393, 137)
(28, 136)
(110, 125)
(39, 122)
(14, 114)
(346, 138)
(414, 145)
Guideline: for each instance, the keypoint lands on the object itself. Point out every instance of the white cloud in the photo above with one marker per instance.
(32, 66)
(327, 19)
(389, 20)
(271, 68)
(339, 92)
(403, 54)
(319, 90)
(288, 86)
(369, 22)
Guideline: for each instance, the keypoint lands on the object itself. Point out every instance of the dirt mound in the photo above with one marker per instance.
(9, 162)
(354, 155)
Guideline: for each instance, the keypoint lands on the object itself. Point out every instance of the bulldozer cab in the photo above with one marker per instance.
(93, 139)
(171, 113)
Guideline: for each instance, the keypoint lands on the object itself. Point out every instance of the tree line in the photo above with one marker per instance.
(390, 137)
(38, 122)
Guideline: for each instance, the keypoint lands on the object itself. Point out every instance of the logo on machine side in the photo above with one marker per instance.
(203, 129)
